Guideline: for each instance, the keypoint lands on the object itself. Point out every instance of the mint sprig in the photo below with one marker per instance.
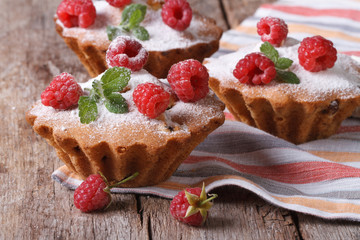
(107, 91)
(131, 18)
(87, 109)
(281, 64)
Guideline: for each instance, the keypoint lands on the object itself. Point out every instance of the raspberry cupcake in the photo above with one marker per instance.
(124, 121)
(298, 91)
(170, 32)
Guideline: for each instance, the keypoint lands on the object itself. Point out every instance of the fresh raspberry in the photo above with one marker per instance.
(189, 79)
(316, 54)
(191, 206)
(91, 194)
(62, 93)
(74, 13)
(118, 3)
(273, 30)
(255, 68)
(177, 14)
(94, 192)
(126, 52)
(151, 99)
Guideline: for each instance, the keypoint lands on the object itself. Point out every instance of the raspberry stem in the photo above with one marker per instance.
(123, 181)
(104, 178)
(109, 187)
(213, 196)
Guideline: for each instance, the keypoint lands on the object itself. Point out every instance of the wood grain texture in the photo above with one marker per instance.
(32, 206)
(212, 9)
(316, 228)
(237, 214)
(237, 11)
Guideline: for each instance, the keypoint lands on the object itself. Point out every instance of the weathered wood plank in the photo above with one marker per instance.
(210, 8)
(236, 214)
(237, 11)
(316, 228)
(32, 206)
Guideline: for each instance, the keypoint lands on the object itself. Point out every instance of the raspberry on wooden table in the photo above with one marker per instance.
(316, 54)
(272, 30)
(126, 52)
(62, 93)
(90, 195)
(151, 99)
(191, 206)
(76, 13)
(119, 3)
(177, 14)
(189, 79)
(94, 192)
(255, 68)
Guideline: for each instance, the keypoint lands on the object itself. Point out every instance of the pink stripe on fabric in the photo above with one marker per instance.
(345, 129)
(306, 11)
(353, 53)
(294, 173)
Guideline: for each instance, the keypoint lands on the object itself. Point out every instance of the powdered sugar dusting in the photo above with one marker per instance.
(108, 123)
(342, 81)
(162, 37)
(159, 41)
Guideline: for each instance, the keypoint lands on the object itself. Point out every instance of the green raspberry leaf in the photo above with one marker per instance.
(283, 63)
(108, 89)
(113, 32)
(116, 103)
(133, 14)
(141, 33)
(96, 91)
(136, 17)
(287, 77)
(269, 51)
(87, 109)
(115, 79)
(131, 18)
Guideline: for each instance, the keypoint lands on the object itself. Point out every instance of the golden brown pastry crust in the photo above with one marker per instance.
(285, 116)
(120, 148)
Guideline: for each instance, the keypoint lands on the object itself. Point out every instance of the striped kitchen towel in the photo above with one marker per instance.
(320, 177)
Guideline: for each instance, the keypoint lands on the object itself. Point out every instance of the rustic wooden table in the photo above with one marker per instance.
(32, 206)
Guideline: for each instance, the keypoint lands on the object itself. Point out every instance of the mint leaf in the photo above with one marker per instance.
(139, 10)
(287, 77)
(280, 64)
(136, 17)
(141, 33)
(96, 92)
(283, 63)
(269, 51)
(112, 32)
(131, 18)
(125, 16)
(116, 103)
(107, 89)
(114, 80)
(87, 109)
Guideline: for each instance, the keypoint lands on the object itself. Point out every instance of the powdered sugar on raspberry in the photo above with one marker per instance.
(162, 37)
(105, 14)
(117, 56)
(342, 81)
